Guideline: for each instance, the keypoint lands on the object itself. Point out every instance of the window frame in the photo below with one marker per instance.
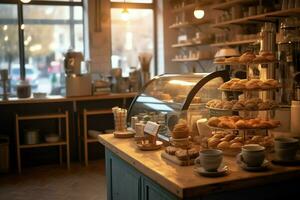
(21, 20)
(142, 6)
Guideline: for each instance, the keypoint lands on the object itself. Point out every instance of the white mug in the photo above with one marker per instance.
(210, 159)
(253, 155)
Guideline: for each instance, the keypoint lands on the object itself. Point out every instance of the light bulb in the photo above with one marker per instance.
(199, 13)
(125, 15)
(25, 1)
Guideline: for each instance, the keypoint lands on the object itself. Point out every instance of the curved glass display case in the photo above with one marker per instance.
(167, 98)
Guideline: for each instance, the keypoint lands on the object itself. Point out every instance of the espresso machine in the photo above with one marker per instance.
(289, 56)
(78, 80)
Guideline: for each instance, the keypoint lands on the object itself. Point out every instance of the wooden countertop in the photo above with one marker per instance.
(183, 181)
(58, 98)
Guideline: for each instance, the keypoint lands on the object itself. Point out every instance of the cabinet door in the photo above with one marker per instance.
(152, 191)
(124, 183)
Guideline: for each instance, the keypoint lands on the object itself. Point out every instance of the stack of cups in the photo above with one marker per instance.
(120, 116)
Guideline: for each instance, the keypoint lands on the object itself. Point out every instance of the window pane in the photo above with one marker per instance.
(45, 43)
(46, 12)
(129, 38)
(133, 1)
(9, 44)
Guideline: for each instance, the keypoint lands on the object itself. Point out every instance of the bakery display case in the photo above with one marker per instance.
(170, 97)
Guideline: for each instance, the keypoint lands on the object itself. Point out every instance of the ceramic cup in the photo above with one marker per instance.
(253, 155)
(210, 159)
(286, 148)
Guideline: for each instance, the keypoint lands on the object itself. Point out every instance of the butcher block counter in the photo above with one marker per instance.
(135, 174)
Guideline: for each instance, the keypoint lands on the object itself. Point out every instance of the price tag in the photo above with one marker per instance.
(151, 128)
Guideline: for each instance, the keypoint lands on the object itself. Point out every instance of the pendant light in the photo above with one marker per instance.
(25, 1)
(198, 12)
(125, 13)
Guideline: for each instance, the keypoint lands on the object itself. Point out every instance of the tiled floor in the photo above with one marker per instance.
(56, 183)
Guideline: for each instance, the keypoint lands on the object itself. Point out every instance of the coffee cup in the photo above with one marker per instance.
(286, 148)
(253, 155)
(210, 159)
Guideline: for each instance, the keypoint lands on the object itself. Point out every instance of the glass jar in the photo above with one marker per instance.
(23, 89)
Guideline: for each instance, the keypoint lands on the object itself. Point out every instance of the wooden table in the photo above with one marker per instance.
(183, 182)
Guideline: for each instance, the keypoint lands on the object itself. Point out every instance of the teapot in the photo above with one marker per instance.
(72, 62)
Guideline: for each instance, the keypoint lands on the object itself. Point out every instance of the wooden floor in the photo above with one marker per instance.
(56, 183)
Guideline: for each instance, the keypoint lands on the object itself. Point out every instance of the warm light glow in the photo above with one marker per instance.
(5, 28)
(6, 38)
(199, 13)
(125, 14)
(35, 47)
(183, 83)
(25, 1)
(23, 26)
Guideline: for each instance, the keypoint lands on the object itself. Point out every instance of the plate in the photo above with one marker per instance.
(125, 134)
(222, 171)
(265, 165)
(150, 147)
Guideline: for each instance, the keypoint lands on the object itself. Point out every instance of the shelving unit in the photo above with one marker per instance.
(270, 16)
(84, 138)
(189, 44)
(189, 24)
(233, 43)
(60, 144)
(228, 4)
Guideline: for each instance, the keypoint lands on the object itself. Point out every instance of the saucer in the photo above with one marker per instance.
(264, 166)
(221, 171)
(295, 162)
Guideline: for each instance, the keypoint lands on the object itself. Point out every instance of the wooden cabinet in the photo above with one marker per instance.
(125, 182)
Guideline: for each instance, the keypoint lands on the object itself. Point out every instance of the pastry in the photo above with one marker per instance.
(223, 145)
(232, 60)
(260, 59)
(238, 86)
(247, 57)
(242, 124)
(219, 60)
(213, 142)
(253, 84)
(238, 106)
(213, 121)
(184, 154)
(251, 106)
(227, 124)
(171, 150)
(235, 118)
(269, 56)
(165, 97)
(196, 100)
(236, 145)
(228, 105)
(180, 131)
(228, 84)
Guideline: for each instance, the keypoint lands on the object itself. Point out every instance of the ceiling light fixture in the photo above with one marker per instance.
(25, 1)
(199, 12)
(125, 13)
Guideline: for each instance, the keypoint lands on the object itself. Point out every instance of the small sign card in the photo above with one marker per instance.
(151, 128)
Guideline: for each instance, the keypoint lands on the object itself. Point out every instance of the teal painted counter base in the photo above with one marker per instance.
(125, 183)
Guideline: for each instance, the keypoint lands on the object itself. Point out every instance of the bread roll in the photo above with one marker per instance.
(236, 145)
(213, 121)
(223, 145)
(213, 142)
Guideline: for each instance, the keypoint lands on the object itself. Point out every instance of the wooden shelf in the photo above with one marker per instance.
(190, 24)
(27, 146)
(98, 112)
(47, 116)
(260, 18)
(234, 43)
(229, 4)
(188, 44)
(192, 6)
(191, 59)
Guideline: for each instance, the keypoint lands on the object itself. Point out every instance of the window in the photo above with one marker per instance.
(50, 29)
(132, 36)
